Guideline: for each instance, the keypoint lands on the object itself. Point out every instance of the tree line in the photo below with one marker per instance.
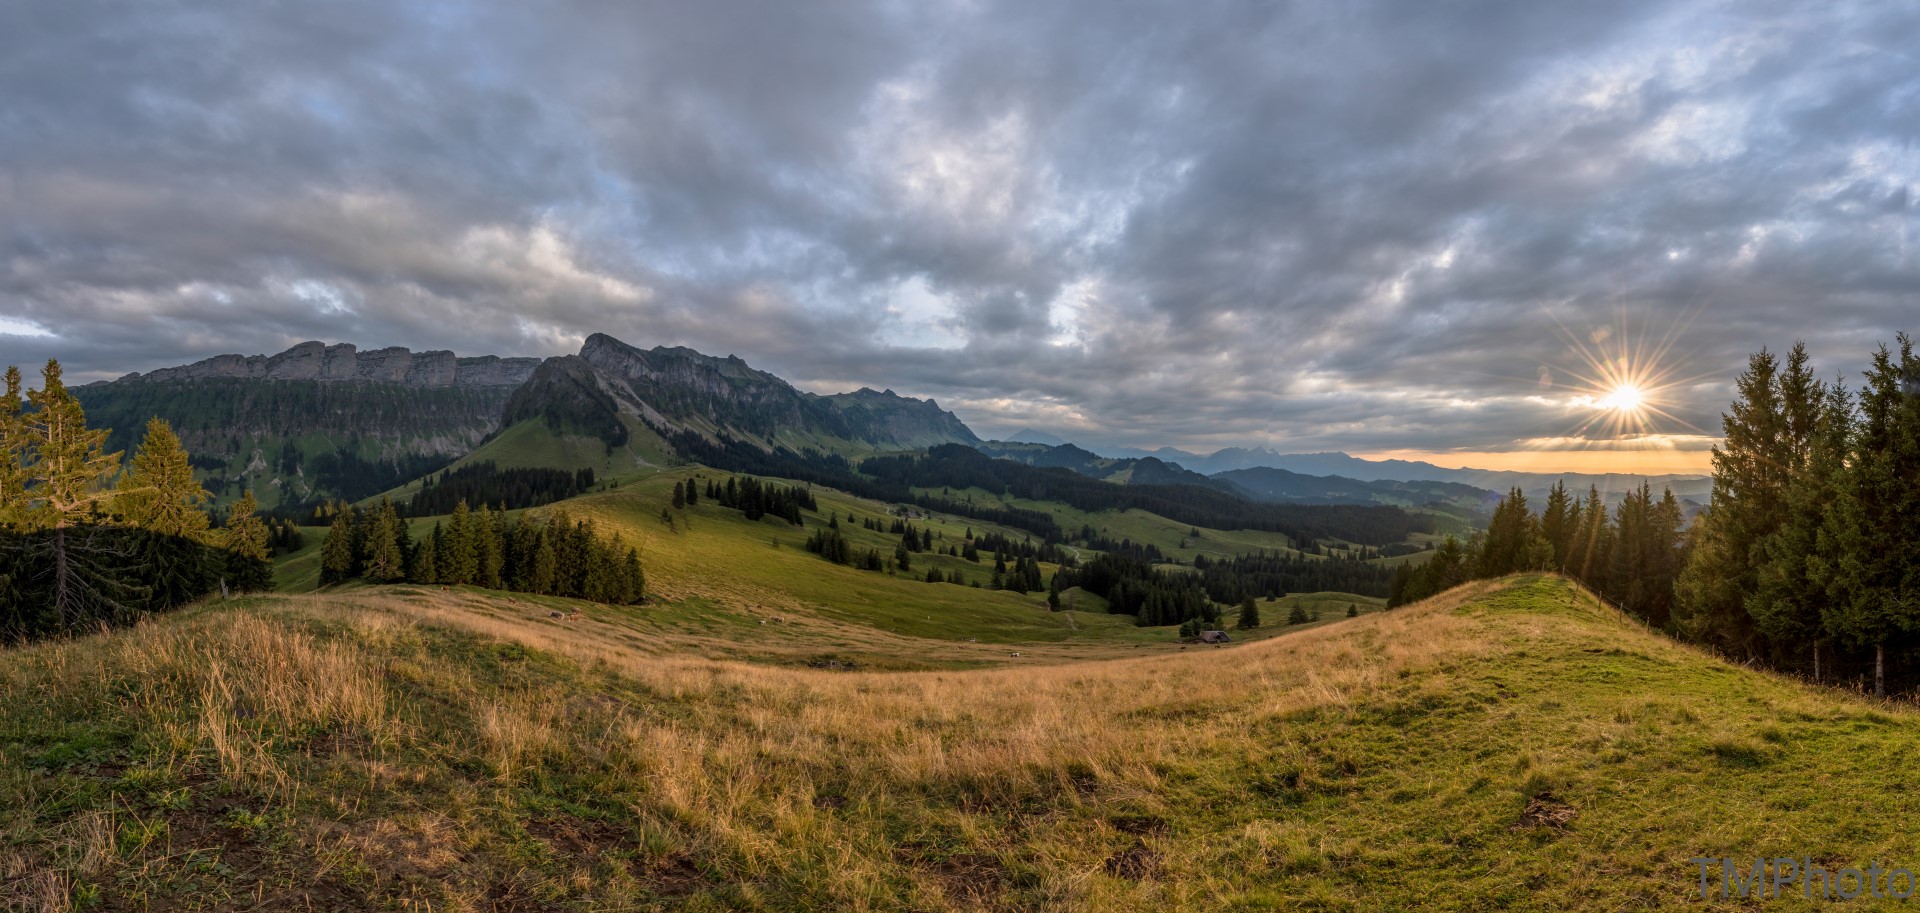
(959, 466)
(86, 541)
(1807, 557)
(1269, 574)
(547, 554)
(485, 483)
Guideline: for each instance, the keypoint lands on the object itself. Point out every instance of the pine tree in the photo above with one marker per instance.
(385, 561)
(490, 556)
(1508, 536)
(1787, 600)
(1751, 471)
(459, 556)
(1249, 614)
(63, 481)
(679, 496)
(336, 553)
(425, 567)
(248, 558)
(14, 454)
(1871, 534)
(158, 492)
(541, 577)
(1298, 615)
(1557, 523)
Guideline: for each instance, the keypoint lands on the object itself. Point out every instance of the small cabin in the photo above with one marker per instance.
(1215, 637)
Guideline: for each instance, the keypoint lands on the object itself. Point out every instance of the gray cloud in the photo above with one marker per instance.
(1360, 226)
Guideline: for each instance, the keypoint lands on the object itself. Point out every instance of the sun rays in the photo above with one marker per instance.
(1624, 385)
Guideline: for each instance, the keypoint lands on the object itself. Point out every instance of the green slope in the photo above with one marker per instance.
(1509, 745)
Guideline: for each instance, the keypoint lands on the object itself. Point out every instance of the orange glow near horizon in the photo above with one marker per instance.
(1622, 462)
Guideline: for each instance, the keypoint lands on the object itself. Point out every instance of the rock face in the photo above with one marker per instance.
(318, 361)
(675, 389)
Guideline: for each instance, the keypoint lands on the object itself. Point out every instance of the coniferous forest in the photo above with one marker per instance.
(87, 539)
(544, 553)
(1808, 557)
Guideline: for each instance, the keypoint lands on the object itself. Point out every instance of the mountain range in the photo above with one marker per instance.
(331, 421)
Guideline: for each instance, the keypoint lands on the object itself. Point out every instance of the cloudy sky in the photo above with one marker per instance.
(1408, 228)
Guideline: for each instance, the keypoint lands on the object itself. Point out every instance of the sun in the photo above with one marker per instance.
(1623, 398)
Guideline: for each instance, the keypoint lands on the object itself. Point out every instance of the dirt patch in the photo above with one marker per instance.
(966, 878)
(1134, 863)
(1139, 825)
(674, 876)
(1545, 811)
(569, 835)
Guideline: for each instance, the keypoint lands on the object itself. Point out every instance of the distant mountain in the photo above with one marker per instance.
(1030, 436)
(317, 420)
(1136, 471)
(611, 384)
(1270, 484)
(1689, 486)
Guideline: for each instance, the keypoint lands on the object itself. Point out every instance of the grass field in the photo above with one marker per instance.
(1508, 745)
(714, 565)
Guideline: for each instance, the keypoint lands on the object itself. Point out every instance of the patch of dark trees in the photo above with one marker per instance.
(1134, 587)
(1232, 580)
(78, 579)
(486, 483)
(834, 471)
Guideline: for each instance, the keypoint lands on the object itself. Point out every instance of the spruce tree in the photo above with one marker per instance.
(70, 461)
(489, 548)
(1249, 614)
(1751, 471)
(679, 496)
(1871, 535)
(460, 551)
(14, 454)
(1557, 521)
(158, 492)
(385, 561)
(248, 556)
(336, 553)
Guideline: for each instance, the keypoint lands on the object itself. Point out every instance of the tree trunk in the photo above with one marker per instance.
(1816, 662)
(1879, 670)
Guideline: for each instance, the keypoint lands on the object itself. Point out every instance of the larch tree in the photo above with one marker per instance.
(63, 483)
(158, 492)
(249, 558)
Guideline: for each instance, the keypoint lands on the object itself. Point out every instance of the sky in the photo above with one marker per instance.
(1435, 231)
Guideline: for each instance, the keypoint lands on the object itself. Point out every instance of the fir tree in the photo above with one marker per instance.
(459, 556)
(1871, 534)
(1249, 614)
(336, 553)
(63, 479)
(158, 492)
(249, 557)
(385, 561)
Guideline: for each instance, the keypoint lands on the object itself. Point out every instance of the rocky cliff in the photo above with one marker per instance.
(317, 361)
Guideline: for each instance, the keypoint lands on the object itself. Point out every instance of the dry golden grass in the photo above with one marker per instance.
(422, 749)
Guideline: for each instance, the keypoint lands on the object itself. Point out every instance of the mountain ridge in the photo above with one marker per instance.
(344, 362)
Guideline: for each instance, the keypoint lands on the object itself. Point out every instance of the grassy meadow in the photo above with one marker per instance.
(1507, 745)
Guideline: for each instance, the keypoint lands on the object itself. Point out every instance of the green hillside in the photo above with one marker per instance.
(1507, 745)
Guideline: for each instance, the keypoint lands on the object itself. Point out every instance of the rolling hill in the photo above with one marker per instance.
(1511, 744)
